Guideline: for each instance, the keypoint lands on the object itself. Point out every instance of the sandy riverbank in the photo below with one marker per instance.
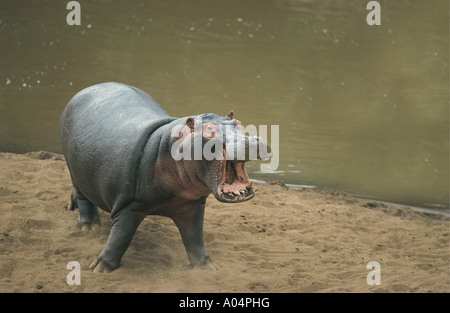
(283, 240)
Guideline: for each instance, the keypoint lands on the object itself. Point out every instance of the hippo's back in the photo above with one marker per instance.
(104, 130)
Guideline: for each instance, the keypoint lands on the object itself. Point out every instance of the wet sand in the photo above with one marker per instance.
(283, 240)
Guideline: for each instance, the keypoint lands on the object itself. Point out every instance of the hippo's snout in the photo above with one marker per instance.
(263, 152)
(248, 149)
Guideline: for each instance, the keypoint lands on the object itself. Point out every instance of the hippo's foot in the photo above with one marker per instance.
(101, 266)
(206, 265)
(89, 226)
(88, 218)
(210, 265)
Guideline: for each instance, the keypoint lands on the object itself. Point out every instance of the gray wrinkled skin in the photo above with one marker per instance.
(117, 144)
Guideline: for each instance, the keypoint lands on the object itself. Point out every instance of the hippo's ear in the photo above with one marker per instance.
(230, 115)
(190, 123)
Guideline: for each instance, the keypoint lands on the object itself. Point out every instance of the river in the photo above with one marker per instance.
(360, 108)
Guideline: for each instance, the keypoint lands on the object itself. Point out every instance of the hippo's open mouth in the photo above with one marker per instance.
(235, 185)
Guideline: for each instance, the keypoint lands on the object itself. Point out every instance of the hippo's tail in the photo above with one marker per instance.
(73, 201)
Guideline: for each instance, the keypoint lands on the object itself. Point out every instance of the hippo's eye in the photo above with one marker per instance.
(210, 130)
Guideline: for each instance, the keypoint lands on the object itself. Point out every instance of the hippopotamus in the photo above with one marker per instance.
(127, 156)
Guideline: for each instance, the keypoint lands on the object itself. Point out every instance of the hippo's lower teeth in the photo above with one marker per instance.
(235, 184)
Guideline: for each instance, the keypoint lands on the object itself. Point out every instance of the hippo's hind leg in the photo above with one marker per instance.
(88, 211)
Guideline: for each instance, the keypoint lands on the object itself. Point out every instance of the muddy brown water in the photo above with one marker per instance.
(360, 108)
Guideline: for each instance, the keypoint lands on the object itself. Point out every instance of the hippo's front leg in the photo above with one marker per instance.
(124, 225)
(189, 221)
